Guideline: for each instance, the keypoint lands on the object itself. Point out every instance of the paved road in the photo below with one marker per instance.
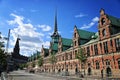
(22, 75)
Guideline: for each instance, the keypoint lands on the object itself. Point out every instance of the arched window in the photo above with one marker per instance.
(97, 65)
(75, 35)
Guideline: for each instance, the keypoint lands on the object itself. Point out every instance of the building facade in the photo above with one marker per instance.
(102, 49)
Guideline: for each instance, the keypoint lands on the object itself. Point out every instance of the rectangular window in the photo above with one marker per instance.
(91, 47)
(97, 65)
(107, 62)
(88, 51)
(63, 58)
(96, 49)
(75, 43)
(111, 44)
(105, 47)
(117, 43)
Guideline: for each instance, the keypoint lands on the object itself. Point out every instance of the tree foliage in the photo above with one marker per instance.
(3, 56)
(81, 55)
(33, 64)
(40, 61)
(53, 59)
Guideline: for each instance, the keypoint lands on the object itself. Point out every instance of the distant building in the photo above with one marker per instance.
(16, 57)
(102, 49)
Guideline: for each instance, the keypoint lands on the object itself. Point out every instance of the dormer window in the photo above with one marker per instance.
(103, 21)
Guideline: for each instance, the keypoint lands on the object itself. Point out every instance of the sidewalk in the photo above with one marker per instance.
(75, 77)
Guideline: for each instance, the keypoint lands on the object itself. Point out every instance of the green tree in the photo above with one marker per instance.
(40, 61)
(53, 60)
(33, 64)
(3, 62)
(81, 56)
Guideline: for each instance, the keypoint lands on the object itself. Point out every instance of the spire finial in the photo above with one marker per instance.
(55, 26)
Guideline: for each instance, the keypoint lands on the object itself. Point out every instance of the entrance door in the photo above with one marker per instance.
(76, 70)
(89, 71)
(108, 71)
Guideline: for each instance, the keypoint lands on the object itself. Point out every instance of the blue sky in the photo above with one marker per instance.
(33, 20)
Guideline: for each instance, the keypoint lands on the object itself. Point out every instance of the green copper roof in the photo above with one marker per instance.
(114, 21)
(85, 34)
(55, 46)
(66, 42)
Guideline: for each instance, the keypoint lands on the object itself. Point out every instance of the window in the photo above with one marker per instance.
(107, 62)
(71, 66)
(75, 43)
(75, 35)
(99, 32)
(111, 44)
(88, 51)
(66, 56)
(103, 21)
(119, 63)
(97, 65)
(96, 49)
(104, 32)
(100, 45)
(89, 64)
(105, 47)
(91, 47)
(71, 56)
(117, 43)
(63, 58)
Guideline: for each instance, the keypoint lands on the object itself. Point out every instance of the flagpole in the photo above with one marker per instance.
(8, 41)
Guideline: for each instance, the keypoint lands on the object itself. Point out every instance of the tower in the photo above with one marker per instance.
(55, 36)
(17, 47)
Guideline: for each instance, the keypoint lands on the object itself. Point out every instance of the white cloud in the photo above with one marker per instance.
(92, 23)
(33, 10)
(31, 40)
(95, 19)
(80, 15)
(45, 27)
(46, 44)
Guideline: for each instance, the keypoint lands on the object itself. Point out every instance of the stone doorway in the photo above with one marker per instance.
(89, 71)
(108, 71)
(76, 70)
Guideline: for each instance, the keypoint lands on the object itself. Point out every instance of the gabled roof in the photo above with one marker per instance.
(85, 34)
(114, 21)
(66, 42)
(55, 46)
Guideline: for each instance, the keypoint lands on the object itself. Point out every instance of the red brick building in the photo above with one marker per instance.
(101, 48)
